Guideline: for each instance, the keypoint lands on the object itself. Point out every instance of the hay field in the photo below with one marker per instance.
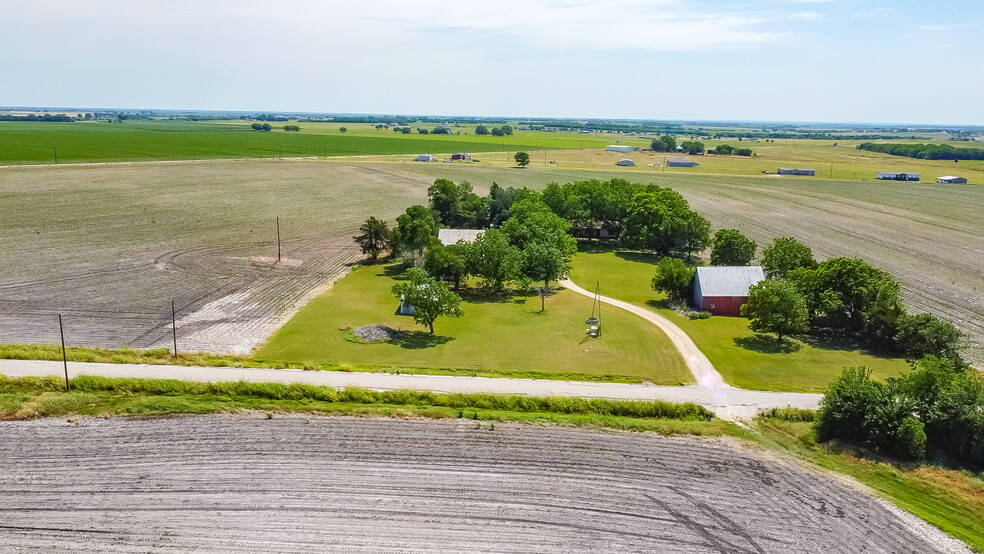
(111, 246)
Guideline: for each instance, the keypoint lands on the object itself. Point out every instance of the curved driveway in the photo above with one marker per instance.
(696, 361)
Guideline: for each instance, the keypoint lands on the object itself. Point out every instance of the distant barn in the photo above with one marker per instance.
(681, 162)
(896, 176)
(626, 162)
(789, 171)
(951, 180)
(618, 148)
(460, 156)
(452, 236)
(722, 290)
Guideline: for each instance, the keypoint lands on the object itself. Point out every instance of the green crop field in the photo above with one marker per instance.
(511, 335)
(79, 142)
(744, 359)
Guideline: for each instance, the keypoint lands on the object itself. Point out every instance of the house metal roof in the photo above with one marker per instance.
(452, 236)
(728, 280)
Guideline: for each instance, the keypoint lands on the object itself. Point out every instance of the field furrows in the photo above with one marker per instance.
(105, 247)
(938, 260)
(291, 484)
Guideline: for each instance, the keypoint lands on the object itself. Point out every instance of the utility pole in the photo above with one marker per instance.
(55, 150)
(831, 170)
(174, 329)
(61, 329)
(278, 239)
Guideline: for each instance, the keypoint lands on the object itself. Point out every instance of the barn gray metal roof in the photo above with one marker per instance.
(728, 280)
(452, 236)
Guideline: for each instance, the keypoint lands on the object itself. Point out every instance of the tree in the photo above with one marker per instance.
(494, 260)
(692, 146)
(506, 130)
(500, 203)
(429, 298)
(342, 129)
(659, 219)
(497, 132)
(674, 278)
(729, 247)
(406, 130)
(266, 127)
(414, 230)
(776, 307)
(458, 206)
(784, 255)
(665, 143)
(423, 131)
(481, 130)
(449, 263)
(923, 334)
(544, 262)
(522, 159)
(375, 237)
(724, 150)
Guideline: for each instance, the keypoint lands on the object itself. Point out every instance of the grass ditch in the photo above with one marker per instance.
(163, 356)
(948, 497)
(33, 397)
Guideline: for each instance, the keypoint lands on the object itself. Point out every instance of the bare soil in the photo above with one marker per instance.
(294, 484)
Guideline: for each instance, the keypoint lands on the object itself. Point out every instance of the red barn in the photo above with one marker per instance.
(722, 290)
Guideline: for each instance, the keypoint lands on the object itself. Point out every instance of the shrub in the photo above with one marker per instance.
(699, 315)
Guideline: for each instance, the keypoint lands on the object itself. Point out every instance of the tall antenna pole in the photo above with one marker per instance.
(278, 238)
(174, 329)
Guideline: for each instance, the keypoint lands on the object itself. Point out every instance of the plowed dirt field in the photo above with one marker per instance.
(244, 483)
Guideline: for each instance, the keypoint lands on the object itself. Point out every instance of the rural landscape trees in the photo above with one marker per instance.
(729, 247)
(375, 237)
(673, 278)
(784, 255)
(776, 307)
(429, 298)
(522, 159)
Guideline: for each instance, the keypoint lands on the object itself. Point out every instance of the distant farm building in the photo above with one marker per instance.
(626, 162)
(895, 176)
(452, 236)
(460, 156)
(618, 148)
(951, 180)
(681, 162)
(788, 171)
(722, 290)
(425, 158)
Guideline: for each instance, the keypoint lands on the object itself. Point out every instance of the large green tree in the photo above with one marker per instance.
(730, 247)
(665, 143)
(522, 159)
(784, 255)
(661, 219)
(414, 231)
(449, 263)
(776, 307)
(924, 334)
(429, 298)
(674, 278)
(494, 260)
(374, 237)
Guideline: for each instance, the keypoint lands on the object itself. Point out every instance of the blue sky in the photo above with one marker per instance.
(778, 60)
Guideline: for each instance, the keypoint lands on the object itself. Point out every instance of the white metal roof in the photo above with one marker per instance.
(452, 236)
(728, 280)
(949, 177)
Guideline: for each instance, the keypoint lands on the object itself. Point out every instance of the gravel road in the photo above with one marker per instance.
(243, 483)
(726, 402)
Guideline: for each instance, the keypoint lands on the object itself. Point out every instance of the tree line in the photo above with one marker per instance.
(925, 151)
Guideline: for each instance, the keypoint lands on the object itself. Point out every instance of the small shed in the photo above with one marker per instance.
(723, 290)
(460, 156)
(896, 176)
(789, 171)
(626, 162)
(425, 158)
(951, 180)
(681, 162)
(452, 236)
(618, 148)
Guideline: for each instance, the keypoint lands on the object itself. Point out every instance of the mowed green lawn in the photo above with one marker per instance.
(511, 336)
(743, 359)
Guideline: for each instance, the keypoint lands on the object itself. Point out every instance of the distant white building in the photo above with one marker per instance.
(618, 148)
(452, 236)
(626, 162)
(425, 158)
(951, 180)
(787, 171)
